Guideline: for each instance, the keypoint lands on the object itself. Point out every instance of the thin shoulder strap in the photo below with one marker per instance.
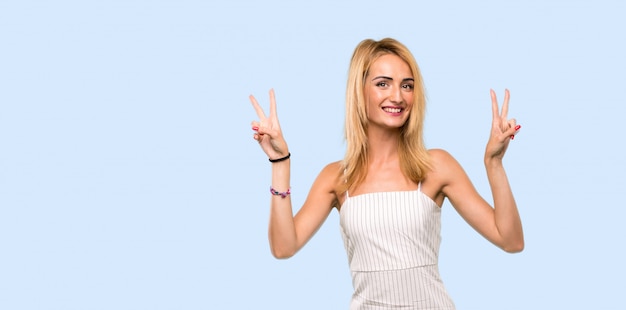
(345, 181)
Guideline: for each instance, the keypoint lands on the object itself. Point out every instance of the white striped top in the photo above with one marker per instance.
(390, 230)
(392, 240)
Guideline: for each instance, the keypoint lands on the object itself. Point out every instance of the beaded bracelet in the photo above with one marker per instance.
(280, 159)
(281, 194)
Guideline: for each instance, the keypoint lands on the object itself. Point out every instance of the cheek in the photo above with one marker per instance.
(408, 97)
(409, 109)
(409, 101)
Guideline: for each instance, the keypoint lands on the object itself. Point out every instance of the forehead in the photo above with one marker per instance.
(390, 64)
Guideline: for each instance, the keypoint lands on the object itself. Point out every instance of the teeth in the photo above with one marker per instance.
(392, 110)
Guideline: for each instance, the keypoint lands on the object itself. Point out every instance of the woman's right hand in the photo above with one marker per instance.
(267, 130)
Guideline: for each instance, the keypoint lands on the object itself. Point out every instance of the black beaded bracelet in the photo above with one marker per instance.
(280, 159)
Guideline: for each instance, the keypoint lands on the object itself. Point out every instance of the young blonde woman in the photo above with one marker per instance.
(389, 188)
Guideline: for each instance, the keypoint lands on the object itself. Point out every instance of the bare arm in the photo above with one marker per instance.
(288, 234)
(507, 217)
(500, 224)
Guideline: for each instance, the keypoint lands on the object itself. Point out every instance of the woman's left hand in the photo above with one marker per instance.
(503, 130)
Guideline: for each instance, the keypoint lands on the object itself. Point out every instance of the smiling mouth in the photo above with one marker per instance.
(392, 110)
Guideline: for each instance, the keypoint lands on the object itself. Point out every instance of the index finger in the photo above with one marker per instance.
(505, 104)
(257, 108)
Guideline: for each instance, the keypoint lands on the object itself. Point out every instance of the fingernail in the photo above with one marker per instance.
(518, 127)
(512, 137)
(255, 128)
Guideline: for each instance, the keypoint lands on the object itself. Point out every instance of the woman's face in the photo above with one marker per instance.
(388, 92)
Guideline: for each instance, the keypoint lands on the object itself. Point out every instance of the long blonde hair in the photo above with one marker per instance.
(414, 159)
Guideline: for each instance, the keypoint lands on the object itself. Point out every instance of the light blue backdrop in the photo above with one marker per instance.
(129, 178)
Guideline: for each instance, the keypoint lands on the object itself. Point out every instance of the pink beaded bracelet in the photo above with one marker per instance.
(281, 194)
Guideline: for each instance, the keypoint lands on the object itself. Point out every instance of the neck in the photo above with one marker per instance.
(382, 145)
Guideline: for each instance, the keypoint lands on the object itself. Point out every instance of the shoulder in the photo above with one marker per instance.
(444, 165)
(330, 176)
(329, 182)
(445, 170)
(440, 156)
(332, 171)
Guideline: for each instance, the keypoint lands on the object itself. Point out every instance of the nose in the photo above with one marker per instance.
(396, 95)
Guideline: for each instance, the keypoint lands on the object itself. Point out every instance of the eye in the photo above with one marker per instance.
(381, 84)
(407, 86)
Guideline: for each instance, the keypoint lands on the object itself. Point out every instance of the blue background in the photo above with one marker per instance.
(129, 178)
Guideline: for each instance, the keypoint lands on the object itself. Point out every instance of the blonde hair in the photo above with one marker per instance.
(414, 159)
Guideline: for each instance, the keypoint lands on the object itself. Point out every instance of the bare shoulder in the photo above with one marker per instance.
(445, 169)
(329, 181)
(440, 156)
(331, 171)
(329, 178)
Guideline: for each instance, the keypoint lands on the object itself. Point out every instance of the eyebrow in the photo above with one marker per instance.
(391, 79)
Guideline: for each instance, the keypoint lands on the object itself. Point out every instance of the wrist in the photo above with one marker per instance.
(277, 160)
(493, 162)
